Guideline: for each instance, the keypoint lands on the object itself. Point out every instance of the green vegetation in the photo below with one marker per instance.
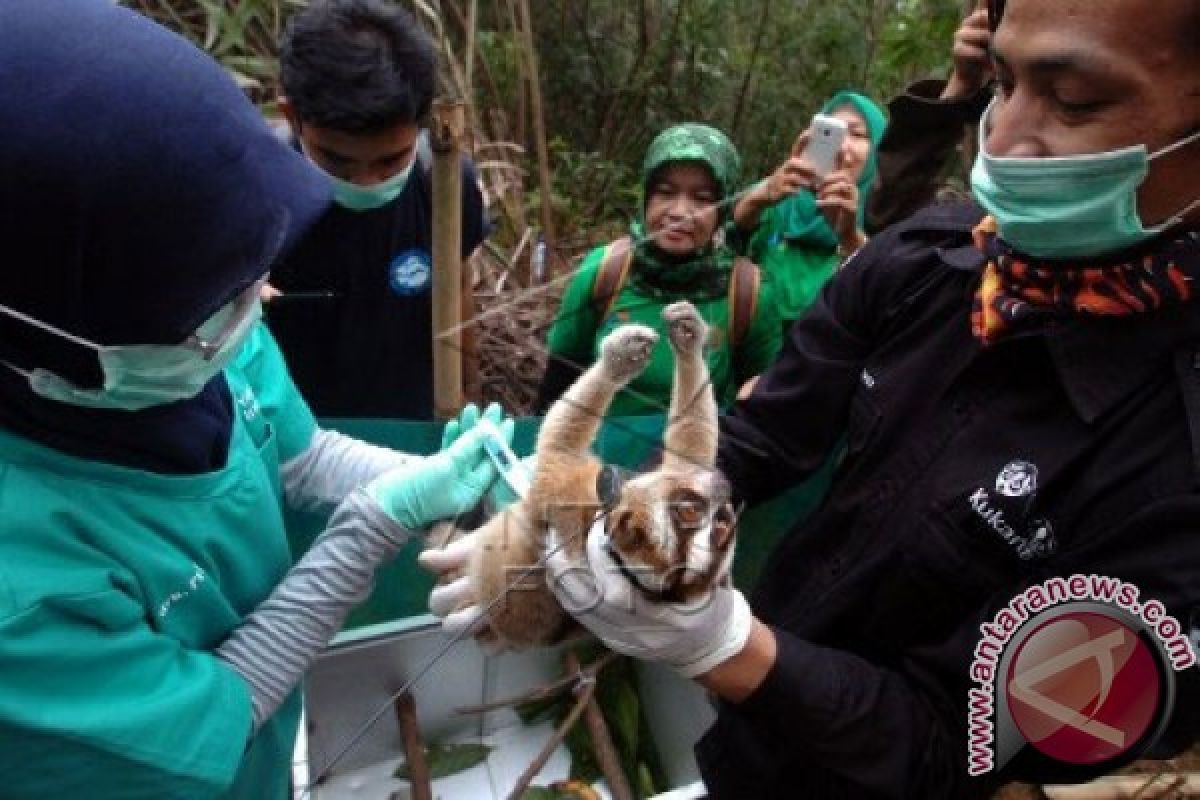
(615, 72)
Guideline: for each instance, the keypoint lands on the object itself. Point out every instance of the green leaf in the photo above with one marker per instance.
(537, 710)
(541, 793)
(645, 782)
(448, 759)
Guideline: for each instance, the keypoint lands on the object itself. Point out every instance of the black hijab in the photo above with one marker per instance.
(141, 191)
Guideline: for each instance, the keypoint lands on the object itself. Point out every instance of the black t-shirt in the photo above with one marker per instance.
(357, 330)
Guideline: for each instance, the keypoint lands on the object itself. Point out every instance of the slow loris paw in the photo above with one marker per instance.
(626, 351)
(686, 328)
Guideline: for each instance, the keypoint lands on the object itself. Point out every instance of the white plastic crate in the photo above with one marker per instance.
(357, 674)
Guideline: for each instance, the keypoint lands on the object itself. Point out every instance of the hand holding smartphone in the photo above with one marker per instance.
(826, 135)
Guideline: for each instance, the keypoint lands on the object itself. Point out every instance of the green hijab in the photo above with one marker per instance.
(705, 273)
(801, 220)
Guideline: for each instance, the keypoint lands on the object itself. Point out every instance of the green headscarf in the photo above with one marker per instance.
(705, 273)
(801, 220)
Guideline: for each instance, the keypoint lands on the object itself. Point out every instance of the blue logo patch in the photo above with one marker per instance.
(410, 272)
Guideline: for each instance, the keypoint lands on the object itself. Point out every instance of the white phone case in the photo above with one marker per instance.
(823, 146)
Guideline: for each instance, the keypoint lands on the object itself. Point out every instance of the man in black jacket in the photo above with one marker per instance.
(1021, 401)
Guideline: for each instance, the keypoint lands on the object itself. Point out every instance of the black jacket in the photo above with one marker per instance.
(877, 599)
(917, 154)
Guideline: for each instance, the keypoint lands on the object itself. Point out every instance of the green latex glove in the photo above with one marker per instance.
(469, 416)
(500, 495)
(444, 485)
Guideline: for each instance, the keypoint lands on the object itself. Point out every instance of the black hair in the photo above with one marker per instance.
(357, 66)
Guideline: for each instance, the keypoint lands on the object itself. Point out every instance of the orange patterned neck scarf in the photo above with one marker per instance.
(1016, 293)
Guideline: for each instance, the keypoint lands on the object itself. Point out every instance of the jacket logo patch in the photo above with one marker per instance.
(1005, 512)
(1017, 479)
(1031, 540)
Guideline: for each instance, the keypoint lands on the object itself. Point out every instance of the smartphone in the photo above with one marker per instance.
(824, 143)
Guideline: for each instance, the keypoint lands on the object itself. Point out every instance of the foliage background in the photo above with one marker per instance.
(613, 73)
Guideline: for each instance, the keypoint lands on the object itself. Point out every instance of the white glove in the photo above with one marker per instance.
(443, 600)
(691, 637)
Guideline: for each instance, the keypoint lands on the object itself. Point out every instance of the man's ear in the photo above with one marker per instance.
(289, 113)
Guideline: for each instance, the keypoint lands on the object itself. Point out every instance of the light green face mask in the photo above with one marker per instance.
(353, 197)
(1068, 206)
(141, 376)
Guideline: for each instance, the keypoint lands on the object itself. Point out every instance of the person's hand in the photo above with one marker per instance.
(470, 416)
(443, 485)
(692, 637)
(500, 494)
(838, 198)
(972, 59)
(793, 175)
(455, 603)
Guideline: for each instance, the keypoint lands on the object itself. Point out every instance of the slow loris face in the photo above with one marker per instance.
(672, 531)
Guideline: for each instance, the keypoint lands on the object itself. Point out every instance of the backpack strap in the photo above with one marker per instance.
(744, 284)
(743, 299)
(614, 269)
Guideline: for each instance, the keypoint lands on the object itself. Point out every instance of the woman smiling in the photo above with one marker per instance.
(673, 252)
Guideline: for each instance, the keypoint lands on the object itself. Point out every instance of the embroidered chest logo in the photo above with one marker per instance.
(248, 404)
(410, 272)
(188, 588)
(1017, 479)
(1005, 511)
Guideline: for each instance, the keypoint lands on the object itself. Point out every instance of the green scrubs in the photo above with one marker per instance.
(116, 585)
(577, 332)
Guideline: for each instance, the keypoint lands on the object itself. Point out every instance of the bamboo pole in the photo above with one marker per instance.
(539, 132)
(518, 125)
(472, 23)
(446, 134)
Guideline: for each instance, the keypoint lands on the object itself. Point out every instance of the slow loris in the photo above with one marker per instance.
(672, 529)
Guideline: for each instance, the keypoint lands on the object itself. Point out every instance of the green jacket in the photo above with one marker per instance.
(794, 271)
(575, 337)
